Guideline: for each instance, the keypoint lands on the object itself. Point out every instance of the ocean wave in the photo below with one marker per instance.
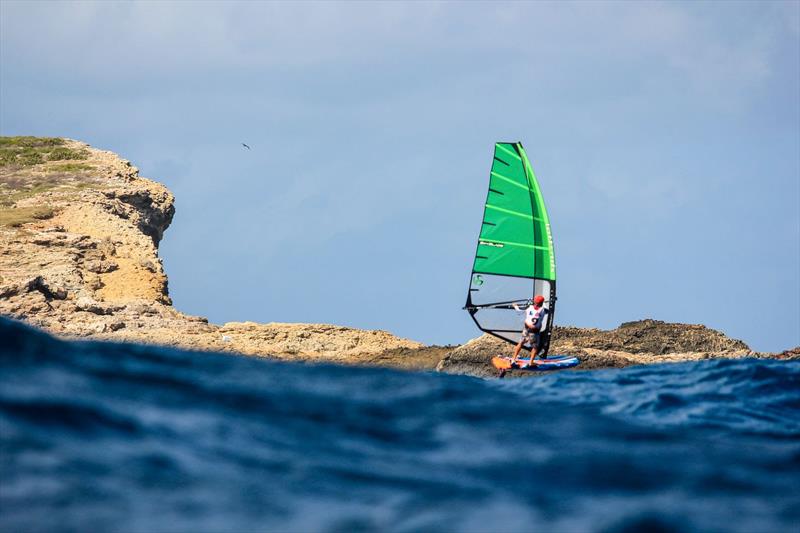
(101, 436)
(742, 395)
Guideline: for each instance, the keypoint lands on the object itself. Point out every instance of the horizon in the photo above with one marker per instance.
(665, 138)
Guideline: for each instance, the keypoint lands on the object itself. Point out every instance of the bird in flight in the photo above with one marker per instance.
(245, 146)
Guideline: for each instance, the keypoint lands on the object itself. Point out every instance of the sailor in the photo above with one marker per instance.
(535, 320)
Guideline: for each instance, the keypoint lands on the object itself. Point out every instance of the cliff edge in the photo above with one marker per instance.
(79, 235)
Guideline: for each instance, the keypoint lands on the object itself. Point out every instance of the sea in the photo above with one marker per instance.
(122, 437)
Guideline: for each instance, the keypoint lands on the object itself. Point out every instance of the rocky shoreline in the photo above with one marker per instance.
(79, 235)
(632, 343)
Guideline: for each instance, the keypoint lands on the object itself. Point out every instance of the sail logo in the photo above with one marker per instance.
(495, 244)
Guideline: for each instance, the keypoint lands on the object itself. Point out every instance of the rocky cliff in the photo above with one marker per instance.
(79, 234)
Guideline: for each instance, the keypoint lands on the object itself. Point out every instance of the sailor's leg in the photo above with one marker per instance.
(517, 349)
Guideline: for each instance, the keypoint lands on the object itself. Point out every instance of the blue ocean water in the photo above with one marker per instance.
(112, 437)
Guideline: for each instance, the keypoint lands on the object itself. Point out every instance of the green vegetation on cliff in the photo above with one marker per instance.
(27, 151)
(32, 166)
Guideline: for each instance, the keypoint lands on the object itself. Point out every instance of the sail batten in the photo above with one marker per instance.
(514, 259)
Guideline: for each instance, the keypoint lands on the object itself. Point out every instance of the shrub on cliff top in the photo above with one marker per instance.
(29, 151)
(30, 142)
(30, 157)
(62, 153)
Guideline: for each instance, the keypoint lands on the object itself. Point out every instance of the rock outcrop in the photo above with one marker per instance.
(79, 235)
(632, 343)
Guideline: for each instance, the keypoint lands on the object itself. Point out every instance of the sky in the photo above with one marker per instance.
(665, 137)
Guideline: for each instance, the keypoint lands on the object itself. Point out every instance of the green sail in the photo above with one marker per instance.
(514, 260)
(515, 238)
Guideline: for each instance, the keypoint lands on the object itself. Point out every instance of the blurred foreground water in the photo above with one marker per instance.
(98, 437)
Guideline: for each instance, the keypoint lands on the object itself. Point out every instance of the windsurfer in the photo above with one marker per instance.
(535, 316)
